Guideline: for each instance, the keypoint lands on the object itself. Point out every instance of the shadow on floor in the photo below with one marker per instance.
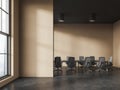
(74, 81)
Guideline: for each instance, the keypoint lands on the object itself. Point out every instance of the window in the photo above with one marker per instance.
(4, 39)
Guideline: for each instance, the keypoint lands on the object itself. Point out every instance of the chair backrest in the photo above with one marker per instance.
(101, 59)
(101, 62)
(110, 59)
(88, 62)
(81, 60)
(58, 62)
(110, 63)
(92, 59)
(71, 62)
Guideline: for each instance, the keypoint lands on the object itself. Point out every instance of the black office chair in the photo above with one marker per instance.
(110, 64)
(81, 60)
(58, 64)
(81, 63)
(101, 64)
(71, 63)
(88, 64)
(93, 60)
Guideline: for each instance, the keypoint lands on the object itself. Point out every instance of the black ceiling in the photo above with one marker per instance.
(79, 11)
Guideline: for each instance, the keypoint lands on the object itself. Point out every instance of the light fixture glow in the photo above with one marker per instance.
(92, 18)
(61, 18)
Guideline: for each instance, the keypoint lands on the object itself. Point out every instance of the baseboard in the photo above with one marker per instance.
(7, 81)
(116, 68)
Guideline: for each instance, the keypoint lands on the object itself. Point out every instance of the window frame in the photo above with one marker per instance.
(8, 35)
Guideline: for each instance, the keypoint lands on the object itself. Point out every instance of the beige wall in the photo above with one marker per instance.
(116, 44)
(36, 38)
(14, 42)
(83, 40)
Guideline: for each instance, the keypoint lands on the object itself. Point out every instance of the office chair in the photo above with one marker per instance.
(101, 64)
(71, 63)
(93, 62)
(81, 62)
(110, 64)
(58, 64)
(88, 64)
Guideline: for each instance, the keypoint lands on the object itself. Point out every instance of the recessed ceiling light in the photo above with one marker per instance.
(61, 20)
(61, 17)
(92, 18)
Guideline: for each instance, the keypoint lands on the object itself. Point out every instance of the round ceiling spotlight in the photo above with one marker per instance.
(61, 18)
(92, 18)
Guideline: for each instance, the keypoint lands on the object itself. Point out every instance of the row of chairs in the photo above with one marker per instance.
(84, 63)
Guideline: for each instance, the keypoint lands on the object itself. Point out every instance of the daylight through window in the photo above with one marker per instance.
(4, 38)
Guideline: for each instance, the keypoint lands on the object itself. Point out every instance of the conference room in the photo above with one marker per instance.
(59, 45)
(83, 29)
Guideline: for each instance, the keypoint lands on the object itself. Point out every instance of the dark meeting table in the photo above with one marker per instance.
(65, 61)
(77, 61)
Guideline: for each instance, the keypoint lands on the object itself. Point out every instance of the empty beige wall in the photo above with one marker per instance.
(36, 38)
(116, 44)
(14, 43)
(83, 40)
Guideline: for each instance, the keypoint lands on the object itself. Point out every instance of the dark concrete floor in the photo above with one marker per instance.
(78, 81)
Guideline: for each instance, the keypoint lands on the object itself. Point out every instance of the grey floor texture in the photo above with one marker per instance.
(78, 81)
